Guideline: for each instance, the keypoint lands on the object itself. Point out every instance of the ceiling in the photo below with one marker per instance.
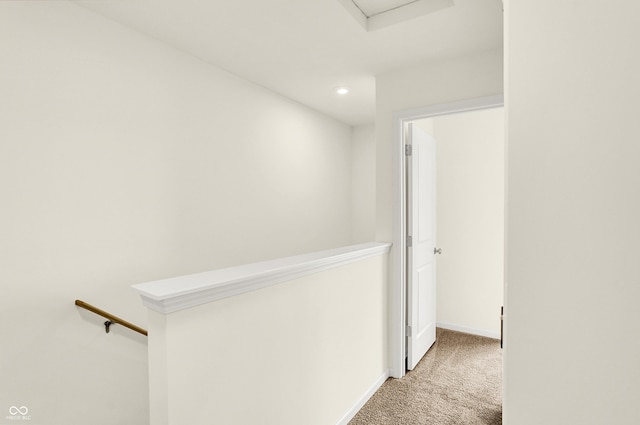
(304, 49)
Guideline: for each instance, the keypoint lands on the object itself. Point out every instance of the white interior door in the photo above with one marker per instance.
(421, 243)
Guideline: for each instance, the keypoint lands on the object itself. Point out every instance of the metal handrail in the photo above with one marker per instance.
(112, 319)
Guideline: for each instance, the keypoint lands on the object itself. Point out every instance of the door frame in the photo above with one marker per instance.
(398, 307)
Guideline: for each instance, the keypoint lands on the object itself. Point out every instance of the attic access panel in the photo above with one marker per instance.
(375, 7)
(376, 14)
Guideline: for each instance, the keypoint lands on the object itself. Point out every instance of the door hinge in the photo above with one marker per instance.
(407, 330)
(408, 150)
(409, 241)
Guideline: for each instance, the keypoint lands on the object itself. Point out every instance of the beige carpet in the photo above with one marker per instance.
(458, 382)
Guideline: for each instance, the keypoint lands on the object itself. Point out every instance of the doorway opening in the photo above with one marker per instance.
(462, 208)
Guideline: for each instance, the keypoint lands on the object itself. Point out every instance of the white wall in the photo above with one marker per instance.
(363, 183)
(470, 219)
(123, 161)
(572, 317)
(299, 352)
(427, 85)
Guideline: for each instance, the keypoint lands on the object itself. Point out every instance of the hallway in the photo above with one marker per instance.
(458, 382)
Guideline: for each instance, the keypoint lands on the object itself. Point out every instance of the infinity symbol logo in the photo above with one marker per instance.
(13, 410)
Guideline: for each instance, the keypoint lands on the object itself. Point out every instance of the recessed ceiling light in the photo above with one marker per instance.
(342, 90)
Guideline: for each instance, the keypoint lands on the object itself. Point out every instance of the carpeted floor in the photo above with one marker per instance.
(458, 382)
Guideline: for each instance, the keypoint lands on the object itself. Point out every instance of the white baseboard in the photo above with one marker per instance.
(344, 420)
(467, 330)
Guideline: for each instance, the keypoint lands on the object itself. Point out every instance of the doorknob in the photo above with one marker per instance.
(437, 251)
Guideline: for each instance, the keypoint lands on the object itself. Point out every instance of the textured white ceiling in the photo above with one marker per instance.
(303, 49)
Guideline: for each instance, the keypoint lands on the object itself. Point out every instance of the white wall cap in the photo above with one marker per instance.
(179, 293)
